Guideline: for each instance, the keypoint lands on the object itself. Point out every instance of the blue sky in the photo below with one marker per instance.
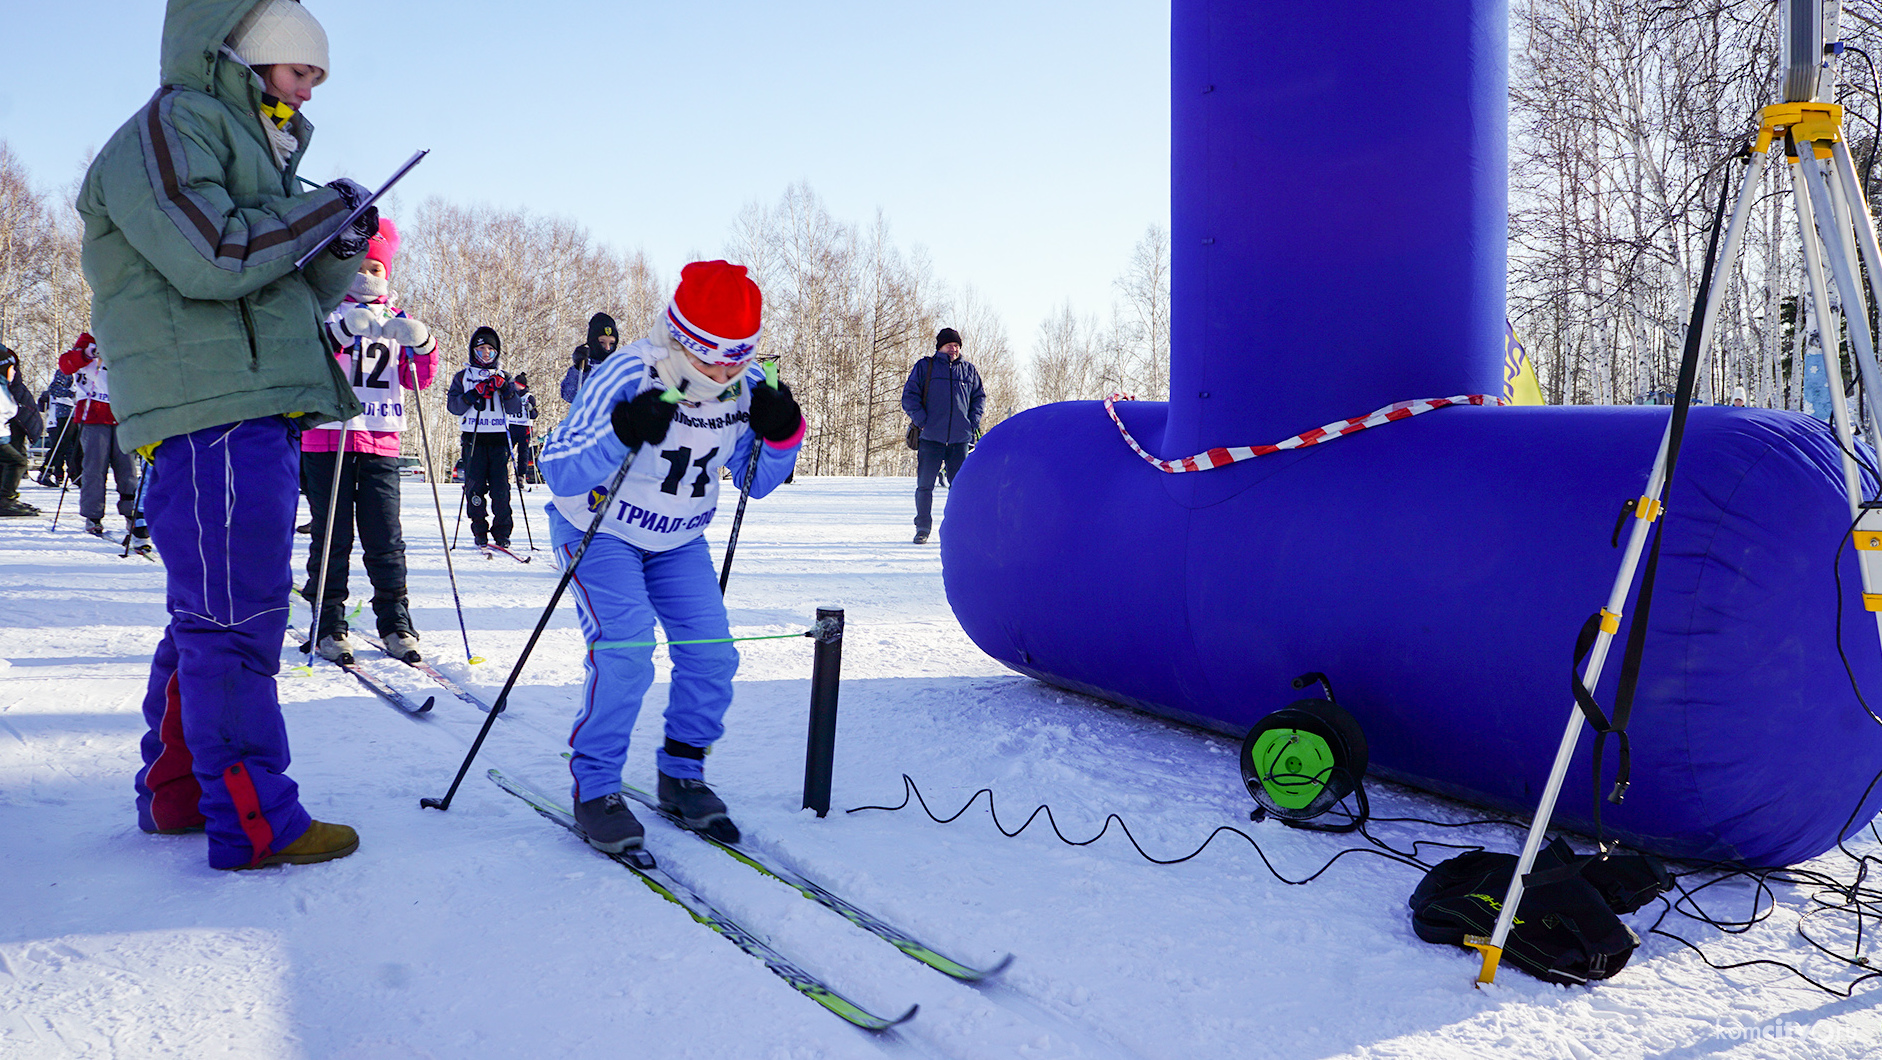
(1024, 144)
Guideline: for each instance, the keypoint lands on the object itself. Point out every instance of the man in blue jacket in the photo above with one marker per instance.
(944, 397)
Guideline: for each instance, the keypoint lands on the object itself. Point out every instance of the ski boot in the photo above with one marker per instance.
(403, 646)
(608, 825)
(689, 799)
(335, 646)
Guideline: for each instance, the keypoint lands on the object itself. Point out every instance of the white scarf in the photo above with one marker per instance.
(283, 143)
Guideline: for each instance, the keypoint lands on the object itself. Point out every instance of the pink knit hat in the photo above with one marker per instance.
(383, 247)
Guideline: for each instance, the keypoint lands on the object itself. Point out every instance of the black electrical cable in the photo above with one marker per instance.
(1875, 82)
(910, 790)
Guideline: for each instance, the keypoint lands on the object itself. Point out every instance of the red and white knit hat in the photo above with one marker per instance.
(717, 313)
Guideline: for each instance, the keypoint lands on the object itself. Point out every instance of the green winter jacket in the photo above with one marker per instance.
(191, 233)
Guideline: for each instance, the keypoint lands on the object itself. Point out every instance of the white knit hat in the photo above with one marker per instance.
(280, 31)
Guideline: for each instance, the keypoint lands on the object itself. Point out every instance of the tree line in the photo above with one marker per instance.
(848, 311)
(1625, 119)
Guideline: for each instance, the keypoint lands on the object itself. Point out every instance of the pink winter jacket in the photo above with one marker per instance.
(416, 371)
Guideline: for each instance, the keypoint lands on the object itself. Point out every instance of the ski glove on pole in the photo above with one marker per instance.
(775, 416)
(643, 420)
(359, 323)
(409, 332)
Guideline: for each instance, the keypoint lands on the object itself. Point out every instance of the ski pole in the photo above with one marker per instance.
(319, 601)
(516, 461)
(424, 437)
(361, 208)
(464, 495)
(575, 559)
(137, 503)
(744, 491)
(65, 481)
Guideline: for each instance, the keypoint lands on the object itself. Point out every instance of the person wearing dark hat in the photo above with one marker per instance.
(483, 399)
(522, 423)
(944, 398)
(603, 337)
(19, 417)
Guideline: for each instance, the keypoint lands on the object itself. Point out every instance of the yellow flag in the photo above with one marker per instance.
(1520, 386)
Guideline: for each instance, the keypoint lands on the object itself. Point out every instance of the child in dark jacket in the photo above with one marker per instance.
(23, 425)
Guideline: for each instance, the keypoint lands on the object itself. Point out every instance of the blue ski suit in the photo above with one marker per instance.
(649, 562)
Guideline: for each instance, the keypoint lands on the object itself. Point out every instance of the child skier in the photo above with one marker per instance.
(98, 429)
(650, 562)
(193, 223)
(369, 336)
(522, 429)
(64, 461)
(484, 399)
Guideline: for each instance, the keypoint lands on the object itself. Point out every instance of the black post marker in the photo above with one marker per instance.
(825, 674)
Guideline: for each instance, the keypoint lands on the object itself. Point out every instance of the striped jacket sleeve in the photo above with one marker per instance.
(205, 245)
(584, 451)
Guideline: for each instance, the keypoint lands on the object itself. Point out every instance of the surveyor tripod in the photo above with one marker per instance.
(1836, 227)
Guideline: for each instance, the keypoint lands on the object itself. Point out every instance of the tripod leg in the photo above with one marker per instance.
(1645, 514)
(1820, 297)
(1864, 348)
(1871, 255)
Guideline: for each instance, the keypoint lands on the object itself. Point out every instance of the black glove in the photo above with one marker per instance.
(644, 420)
(774, 413)
(352, 242)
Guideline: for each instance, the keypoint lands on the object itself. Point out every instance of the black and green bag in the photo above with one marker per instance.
(1566, 931)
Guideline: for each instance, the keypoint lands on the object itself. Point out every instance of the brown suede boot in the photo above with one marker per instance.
(321, 842)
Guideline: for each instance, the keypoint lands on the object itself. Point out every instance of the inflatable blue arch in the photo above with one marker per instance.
(1339, 222)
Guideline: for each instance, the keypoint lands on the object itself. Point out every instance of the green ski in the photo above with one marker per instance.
(816, 892)
(642, 864)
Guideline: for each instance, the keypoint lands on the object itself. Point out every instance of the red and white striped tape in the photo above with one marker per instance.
(1214, 458)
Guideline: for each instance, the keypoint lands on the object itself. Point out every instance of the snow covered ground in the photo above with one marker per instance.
(488, 932)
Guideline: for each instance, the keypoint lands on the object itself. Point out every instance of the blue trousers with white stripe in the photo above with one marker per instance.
(621, 591)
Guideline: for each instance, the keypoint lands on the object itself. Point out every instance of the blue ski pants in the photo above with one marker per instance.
(621, 592)
(220, 505)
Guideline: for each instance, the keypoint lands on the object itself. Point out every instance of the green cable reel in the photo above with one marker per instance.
(1302, 760)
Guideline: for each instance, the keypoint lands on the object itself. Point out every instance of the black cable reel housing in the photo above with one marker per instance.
(1302, 760)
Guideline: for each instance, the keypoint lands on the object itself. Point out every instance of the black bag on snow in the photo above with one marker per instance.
(1566, 930)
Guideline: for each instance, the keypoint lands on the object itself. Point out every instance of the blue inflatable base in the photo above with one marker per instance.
(1438, 569)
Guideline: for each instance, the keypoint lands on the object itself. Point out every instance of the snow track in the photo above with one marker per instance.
(483, 933)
